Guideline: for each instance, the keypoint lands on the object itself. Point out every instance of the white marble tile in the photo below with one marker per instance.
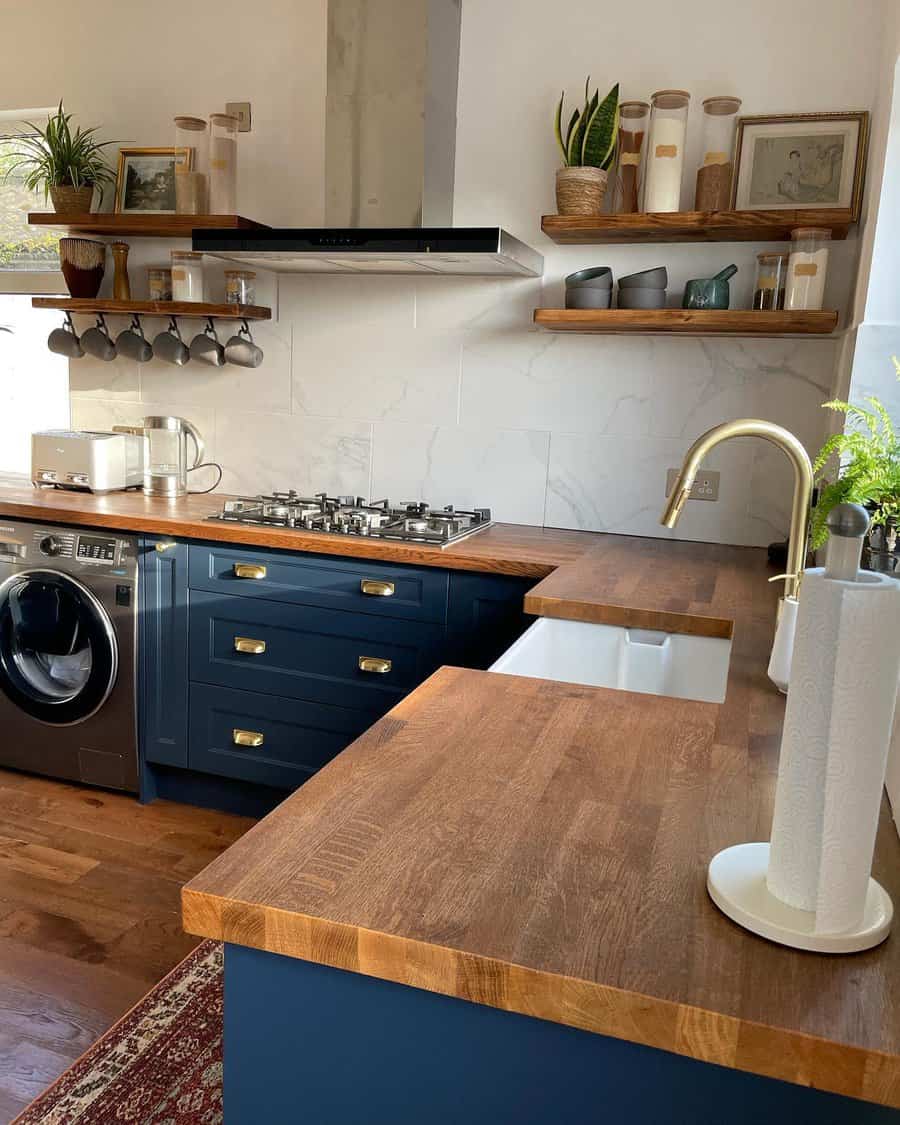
(476, 304)
(369, 376)
(94, 378)
(504, 470)
(261, 452)
(317, 305)
(599, 483)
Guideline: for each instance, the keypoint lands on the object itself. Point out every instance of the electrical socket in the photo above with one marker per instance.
(240, 110)
(705, 486)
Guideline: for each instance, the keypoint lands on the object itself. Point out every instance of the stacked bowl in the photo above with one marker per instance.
(589, 289)
(644, 290)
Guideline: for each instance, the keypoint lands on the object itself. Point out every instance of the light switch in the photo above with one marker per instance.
(240, 110)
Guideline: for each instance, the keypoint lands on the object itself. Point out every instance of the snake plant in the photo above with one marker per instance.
(593, 131)
(58, 156)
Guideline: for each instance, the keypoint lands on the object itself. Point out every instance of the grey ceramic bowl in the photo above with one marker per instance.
(585, 297)
(638, 298)
(598, 277)
(657, 278)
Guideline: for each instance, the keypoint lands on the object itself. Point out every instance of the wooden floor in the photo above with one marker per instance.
(89, 915)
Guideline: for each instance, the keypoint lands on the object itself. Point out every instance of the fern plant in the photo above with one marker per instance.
(592, 133)
(869, 472)
(58, 156)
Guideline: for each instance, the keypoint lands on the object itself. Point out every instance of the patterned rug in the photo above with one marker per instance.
(161, 1064)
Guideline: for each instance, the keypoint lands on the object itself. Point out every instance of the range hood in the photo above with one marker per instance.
(390, 157)
(475, 251)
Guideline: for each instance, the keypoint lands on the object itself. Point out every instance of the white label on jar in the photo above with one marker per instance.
(630, 158)
(669, 151)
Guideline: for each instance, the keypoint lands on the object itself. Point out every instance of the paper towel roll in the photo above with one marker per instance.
(834, 746)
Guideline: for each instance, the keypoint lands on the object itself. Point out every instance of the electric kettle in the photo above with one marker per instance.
(168, 463)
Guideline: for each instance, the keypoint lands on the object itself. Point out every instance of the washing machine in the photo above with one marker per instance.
(68, 647)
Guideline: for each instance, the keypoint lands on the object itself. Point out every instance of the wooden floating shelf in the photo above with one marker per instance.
(696, 322)
(694, 226)
(141, 225)
(201, 309)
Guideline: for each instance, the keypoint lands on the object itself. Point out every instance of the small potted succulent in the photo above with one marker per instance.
(868, 474)
(588, 147)
(67, 165)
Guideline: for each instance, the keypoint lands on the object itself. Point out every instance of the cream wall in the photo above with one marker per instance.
(439, 386)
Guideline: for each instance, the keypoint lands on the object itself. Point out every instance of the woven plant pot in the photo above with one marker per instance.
(71, 200)
(82, 261)
(580, 190)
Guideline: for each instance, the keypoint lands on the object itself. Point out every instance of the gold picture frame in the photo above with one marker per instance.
(145, 180)
(787, 161)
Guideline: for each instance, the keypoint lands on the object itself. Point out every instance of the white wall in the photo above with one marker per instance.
(439, 387)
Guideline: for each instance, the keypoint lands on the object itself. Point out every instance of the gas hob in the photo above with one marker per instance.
(353, 515)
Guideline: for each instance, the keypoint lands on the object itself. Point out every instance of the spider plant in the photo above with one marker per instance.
(593, 131)
(58, 156)
(869, 471)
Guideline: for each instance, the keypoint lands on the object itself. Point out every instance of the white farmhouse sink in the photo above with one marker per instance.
(630, 659)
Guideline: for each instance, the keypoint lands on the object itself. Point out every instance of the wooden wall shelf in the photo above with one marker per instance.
(695, 322)
(694, 226)
(204, 309)
(141, 226)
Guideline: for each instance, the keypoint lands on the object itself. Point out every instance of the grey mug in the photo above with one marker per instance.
(205, 347)
(242, 351)
(64, 341)
(96, 341)
(170, 347)
(133, 344)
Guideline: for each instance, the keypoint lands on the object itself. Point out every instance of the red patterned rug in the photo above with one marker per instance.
(161, 1064)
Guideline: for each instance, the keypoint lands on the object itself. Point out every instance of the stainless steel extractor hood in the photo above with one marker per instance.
(390, 154)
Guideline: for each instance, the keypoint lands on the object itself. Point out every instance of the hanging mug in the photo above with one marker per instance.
(170, 347)
(205, 347)
(96, 341)
(64, 341)
(241, 350)
(133, 344)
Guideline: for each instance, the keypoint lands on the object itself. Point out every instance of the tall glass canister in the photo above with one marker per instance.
(715, 173)
(223, 132)
(665, 150)
(633, 118)
(191, 165)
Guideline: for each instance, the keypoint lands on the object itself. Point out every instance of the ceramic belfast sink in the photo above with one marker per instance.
(641, 660)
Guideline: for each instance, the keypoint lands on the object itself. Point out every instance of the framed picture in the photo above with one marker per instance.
(800, 160)
(145, 181)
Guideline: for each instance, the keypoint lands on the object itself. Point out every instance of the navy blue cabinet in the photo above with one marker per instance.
(163, 639)
(260, 666)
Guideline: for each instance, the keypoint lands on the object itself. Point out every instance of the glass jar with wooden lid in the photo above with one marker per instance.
(771, 274)
(223, 133)
(240, 287)
(187, 275)
(665, 150)
(716, 169)
(633, 118)
(191, 157)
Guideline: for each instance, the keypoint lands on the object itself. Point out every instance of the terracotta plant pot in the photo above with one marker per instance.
(82, 261)
(580, 190)
(72, 200)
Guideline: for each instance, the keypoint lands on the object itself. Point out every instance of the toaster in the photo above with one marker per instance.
(88, 460)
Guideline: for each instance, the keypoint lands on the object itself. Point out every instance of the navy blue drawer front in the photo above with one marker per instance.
(294, 739)
(309, 653)
(319, 580)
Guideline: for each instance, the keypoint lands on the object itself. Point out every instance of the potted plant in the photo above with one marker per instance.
(868, 474)
(67, 165)
(588, 147)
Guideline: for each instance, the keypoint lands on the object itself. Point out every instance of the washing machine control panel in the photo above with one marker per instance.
(96, 549)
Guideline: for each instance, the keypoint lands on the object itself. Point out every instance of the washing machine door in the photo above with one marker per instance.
(58, 651)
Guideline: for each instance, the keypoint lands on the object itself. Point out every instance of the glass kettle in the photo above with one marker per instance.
(168, 463)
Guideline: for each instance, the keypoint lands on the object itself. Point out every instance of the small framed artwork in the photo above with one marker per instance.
(145, 181)
(801, 160)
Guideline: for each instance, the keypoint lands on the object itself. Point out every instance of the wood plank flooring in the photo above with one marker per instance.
(89, 915)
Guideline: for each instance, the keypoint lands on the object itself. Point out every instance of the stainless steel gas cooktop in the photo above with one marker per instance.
(352, 515)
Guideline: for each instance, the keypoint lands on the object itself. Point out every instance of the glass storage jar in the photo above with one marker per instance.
(771, 274)
(633, 118)
(665, 150)
(187, 275)
(715, 173)
(240, 287)
(191, 158)
(223, 130)
(807, 268)
(159, 283)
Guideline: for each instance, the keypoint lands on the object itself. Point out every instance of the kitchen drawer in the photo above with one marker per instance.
(309, 653)
(295, 739)
(320, 580)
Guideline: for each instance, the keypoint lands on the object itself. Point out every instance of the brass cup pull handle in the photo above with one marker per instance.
(376, 588)
(374, 664)
(250, 646)
(249, 570)
(250, 738)
(164, 545)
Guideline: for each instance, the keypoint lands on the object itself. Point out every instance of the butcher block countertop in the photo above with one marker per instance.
(542, 847)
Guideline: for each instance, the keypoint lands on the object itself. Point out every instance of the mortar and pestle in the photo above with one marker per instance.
(709, 292)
